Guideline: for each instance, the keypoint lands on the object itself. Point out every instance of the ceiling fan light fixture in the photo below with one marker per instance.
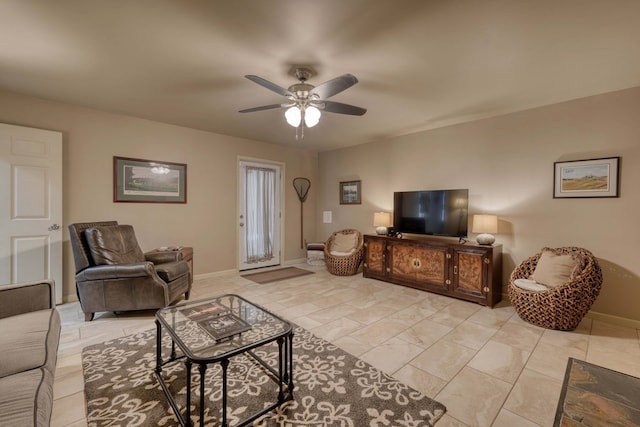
(305, 101)
(311, 116)
(293, 116)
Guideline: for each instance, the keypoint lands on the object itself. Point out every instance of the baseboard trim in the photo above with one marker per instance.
(214, 274)
(296, 261)
(69, 298)
(616, 320)
(236, 271)
(609, 318)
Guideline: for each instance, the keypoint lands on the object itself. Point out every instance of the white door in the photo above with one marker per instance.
(30, 205)
(259, 214)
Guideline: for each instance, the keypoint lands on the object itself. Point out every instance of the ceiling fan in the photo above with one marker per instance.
(305, 101)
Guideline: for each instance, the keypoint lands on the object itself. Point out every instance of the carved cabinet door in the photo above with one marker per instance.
(470, 273)
(431, 266)
(402, 261)
(424, 266)
(374, 257)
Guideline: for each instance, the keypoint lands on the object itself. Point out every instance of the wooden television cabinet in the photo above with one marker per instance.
(466, 271)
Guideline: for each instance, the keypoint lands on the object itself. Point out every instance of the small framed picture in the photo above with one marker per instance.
(350, 193)
(149, 181)
(586, 178)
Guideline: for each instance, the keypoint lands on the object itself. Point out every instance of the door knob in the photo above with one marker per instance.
(54, 227)
(242, 224)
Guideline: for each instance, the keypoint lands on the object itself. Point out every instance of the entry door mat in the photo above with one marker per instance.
(595, 396)
(275, 275)
(332, 388)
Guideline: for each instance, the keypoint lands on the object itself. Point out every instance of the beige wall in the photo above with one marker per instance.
(507, 164)
(207, 222)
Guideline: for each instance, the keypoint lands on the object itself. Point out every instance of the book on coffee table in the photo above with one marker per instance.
(221, 326)
(204, 310)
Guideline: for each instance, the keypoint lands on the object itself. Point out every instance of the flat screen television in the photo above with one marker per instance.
(436, 212)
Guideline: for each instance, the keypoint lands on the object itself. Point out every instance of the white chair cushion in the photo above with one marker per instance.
(339, 253)
(529, 285)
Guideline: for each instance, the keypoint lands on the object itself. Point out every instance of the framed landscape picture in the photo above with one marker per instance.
(350, 193)
(586, 178)
(149, 181)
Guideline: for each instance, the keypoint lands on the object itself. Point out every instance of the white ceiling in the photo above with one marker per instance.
(421, 64)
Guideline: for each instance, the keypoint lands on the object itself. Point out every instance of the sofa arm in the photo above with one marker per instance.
(19, 298)
(163, 257)
(116, 271)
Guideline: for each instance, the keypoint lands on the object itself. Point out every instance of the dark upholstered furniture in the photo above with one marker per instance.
(113, 274)
(29, 338)
(561, 307)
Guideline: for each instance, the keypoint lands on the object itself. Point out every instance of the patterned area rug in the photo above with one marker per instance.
(332, 388)
(596, 396)
(275, 275)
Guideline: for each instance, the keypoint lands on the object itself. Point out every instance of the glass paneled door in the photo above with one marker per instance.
(260, 218)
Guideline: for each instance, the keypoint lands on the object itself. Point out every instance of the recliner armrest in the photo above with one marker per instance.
(118, 271)
(172, 270)
(162, 257)
(19, 298)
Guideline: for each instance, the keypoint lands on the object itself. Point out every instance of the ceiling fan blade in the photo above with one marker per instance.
(334, 86)
(264, 107)
(271, 86)
(340, 108)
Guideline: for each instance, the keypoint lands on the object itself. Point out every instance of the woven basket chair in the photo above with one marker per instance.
(563, 307)
(344, 265)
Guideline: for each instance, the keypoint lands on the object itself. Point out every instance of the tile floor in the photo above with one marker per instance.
(486, 365)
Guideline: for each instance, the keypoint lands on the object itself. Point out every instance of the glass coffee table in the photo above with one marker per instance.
(214, 330)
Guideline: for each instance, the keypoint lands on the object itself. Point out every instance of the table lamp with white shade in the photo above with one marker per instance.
(486, 225)
(382, 220)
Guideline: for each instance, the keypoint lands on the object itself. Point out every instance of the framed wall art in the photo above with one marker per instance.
(586, 178)
(350, 193)
(149, 181)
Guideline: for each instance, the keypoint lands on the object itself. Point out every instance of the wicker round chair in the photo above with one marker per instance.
(344, 265)
(562, 307)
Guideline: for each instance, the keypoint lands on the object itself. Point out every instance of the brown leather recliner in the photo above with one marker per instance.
(113, 274)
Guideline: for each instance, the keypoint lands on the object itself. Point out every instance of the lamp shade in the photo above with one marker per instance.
(485, 224)
(382, 219)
